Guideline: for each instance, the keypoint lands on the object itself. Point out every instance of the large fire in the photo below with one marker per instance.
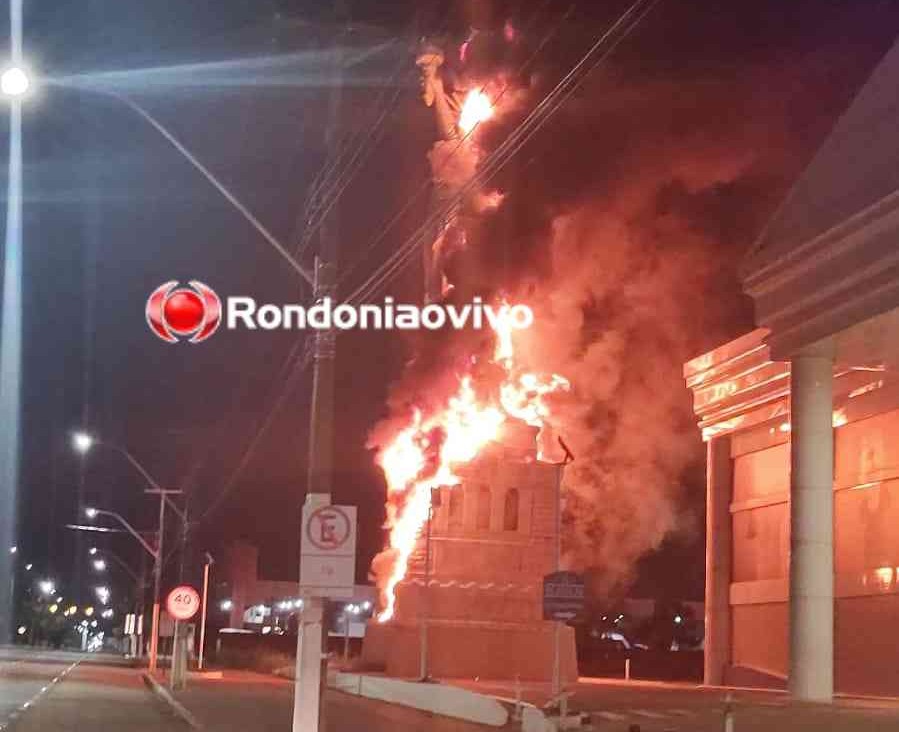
(424, 454)
(476, 108)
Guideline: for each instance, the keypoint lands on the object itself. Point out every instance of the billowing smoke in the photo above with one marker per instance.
(621, 224)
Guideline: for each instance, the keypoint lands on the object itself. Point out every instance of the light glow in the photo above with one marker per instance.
(476, 108)
(14, 82)
(82, 442)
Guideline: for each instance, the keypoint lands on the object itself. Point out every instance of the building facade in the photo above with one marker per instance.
(801, 420)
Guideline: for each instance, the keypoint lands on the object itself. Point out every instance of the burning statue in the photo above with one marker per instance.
(458, 109)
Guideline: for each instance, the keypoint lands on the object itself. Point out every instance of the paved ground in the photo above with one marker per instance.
(57, 692)
(656, 707)
(248, 702)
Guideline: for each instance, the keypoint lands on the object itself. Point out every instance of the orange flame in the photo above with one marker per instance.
(476, 108)
(424, 454)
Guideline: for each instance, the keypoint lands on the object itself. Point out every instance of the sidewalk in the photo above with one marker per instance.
(242, 700)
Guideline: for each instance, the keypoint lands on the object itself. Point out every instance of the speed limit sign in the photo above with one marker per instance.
(183, 602)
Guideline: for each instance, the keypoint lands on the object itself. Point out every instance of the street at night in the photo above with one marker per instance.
(449, 365)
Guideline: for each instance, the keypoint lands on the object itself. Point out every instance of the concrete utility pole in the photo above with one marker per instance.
(311, 669)
(157, 575)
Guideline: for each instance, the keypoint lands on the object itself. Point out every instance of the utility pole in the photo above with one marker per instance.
(312, 636)
(157, 575)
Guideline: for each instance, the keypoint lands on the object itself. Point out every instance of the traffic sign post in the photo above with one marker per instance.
(563, 596)
(327, 570)
(328, 551)
(182, 604)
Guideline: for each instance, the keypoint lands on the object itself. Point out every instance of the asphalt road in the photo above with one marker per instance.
(52, 691)
(58, 692)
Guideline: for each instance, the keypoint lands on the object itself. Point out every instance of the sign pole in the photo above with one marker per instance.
(181, 604)
(310, 647)
(203, 611)
(327, 570)
(557, 625)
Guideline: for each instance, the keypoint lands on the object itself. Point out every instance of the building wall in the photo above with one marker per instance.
(866, 549)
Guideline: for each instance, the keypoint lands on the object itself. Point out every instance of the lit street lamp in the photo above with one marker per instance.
(46, 587)
(14, 82)
(157, 559)
(83, 442)
(99, 565)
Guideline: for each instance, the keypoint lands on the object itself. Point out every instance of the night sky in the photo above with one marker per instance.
(112, 211)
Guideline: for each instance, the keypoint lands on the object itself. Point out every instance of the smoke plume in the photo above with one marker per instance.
(621, 225)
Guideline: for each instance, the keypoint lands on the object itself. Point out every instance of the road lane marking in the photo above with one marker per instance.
(14, 715)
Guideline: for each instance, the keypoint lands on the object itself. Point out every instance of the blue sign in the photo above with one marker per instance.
(564, 596)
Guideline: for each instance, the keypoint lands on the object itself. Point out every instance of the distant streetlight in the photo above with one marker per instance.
(99, 565)
(46, 587)
(28, 567)
(92, 550)
(13, 549)
(102, 594)
(226, 605)
(14, 82)
(82, 442)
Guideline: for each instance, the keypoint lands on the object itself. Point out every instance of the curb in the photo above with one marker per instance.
(166, 696)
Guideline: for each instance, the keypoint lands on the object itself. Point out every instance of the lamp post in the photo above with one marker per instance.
(13, 84)
(157, 555)
(83, 442)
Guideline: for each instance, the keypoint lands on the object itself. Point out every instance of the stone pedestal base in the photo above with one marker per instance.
(469, 650)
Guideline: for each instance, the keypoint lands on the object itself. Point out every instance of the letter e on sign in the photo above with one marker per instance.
(183, 602)
(328, 528)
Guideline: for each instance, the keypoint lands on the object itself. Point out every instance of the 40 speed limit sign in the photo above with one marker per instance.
(183, 602)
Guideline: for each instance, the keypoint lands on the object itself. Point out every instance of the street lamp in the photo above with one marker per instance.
(46, 587)
(157, 573)
(14, 81)
(82, 442)
(99, 565)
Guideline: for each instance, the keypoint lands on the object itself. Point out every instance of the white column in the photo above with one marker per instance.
(718, 559)
(307, 687)
(811, 525)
